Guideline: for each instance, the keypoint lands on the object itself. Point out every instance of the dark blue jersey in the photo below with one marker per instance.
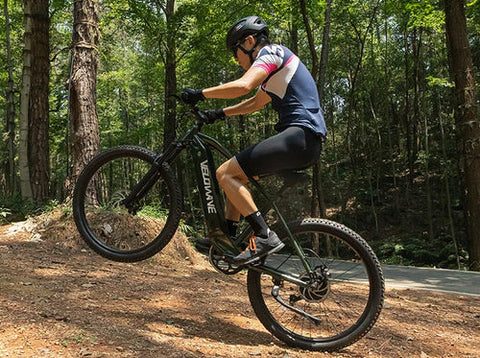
(292, 89)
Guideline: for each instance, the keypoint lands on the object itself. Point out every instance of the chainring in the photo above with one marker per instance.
(217, 260)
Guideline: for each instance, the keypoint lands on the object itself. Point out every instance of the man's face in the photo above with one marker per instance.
(241, 57)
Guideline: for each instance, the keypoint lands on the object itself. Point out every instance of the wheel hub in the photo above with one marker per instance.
(318, 289)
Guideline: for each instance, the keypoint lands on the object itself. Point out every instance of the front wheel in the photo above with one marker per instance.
(334, 308)
(117, 231)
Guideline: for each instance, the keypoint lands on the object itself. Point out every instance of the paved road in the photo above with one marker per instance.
(451, 281)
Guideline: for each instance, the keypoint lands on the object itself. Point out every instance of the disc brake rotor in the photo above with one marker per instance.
(318, 290)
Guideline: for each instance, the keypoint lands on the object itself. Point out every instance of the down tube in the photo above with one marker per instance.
(210, 194)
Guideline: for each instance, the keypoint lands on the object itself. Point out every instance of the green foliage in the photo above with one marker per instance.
(4, 213)
(413, 251)
(158, 212)
(387, 95)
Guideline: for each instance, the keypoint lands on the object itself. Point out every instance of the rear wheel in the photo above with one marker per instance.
(331, 310)
(108, 226)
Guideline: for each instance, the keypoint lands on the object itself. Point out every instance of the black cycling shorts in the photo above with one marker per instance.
(293, 148)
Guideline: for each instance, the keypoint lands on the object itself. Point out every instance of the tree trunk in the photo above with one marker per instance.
(85, 139)
(25, 188)
(317, 172)
(467, 124)
(294, 38)
(446, 168)
(324, 54)
(38, 109)
(428, 187)
(170, 76)
(9, 164)
(311, 42)
(407, 111)
(318, 201)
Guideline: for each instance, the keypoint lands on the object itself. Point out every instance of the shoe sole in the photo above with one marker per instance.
(271, 251)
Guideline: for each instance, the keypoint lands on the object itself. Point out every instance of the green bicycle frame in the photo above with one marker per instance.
(200, 146)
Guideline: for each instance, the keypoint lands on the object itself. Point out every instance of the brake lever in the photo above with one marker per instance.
(193, 109)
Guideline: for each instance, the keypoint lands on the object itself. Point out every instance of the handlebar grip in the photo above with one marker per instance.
(201, 115)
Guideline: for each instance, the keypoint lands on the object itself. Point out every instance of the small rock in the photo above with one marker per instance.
(36, 238)
(84, 352)
(256, 353)
(107, 230)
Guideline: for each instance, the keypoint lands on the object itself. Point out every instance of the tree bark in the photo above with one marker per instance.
(467, 124)
(170, 76)
(25, 188)
(38, 111)
(85, 139)
(311, 42)
(324, 54)
(9, 164)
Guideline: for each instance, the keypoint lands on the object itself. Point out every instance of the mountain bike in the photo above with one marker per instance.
(323, 291)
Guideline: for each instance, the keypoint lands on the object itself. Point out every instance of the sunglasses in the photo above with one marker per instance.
(237, 46)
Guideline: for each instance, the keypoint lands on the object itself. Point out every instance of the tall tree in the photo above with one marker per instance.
(34, 155)
(23, 161)
(85, 139)
(324, 53)
(467, 124)
(170, 63)
(9, 163)
(38, 109)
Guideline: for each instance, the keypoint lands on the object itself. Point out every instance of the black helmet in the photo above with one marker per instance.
(249, 25)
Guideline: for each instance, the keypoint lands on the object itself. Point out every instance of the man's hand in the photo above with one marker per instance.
(192, 96)
(211, 116)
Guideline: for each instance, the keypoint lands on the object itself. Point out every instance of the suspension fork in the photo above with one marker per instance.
(141, 189)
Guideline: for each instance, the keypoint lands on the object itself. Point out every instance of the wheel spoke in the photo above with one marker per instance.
(117, 224)
(339, 296)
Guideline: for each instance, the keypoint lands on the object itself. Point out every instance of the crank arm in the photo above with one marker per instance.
(275, 295)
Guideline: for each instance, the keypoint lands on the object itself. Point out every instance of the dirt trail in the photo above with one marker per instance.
(59, 299)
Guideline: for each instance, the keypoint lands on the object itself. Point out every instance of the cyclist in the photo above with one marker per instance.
(281, 78)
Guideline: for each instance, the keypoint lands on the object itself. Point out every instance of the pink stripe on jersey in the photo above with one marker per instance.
(290, 60)
(269, 67)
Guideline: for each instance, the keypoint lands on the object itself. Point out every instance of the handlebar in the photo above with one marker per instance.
(201, 118)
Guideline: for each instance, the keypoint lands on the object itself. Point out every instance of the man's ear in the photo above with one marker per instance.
(251, 40)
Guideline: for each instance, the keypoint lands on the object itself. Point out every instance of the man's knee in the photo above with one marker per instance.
(230, 170)
(221, 173)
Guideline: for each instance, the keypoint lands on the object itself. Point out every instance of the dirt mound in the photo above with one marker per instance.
(58, 228)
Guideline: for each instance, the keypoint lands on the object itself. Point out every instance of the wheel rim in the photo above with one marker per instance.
(341, 299)
(110, 224)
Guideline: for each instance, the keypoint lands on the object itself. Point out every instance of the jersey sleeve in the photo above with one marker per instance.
(270, 62)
